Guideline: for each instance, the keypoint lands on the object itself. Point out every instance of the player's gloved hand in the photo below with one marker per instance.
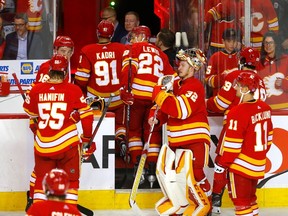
(75, 116)
(126, 97)
(87, 150)
(33, 125)
(167, 82)
(220, 175)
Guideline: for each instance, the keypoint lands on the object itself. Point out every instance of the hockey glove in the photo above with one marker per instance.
(220, 176)
(126, 97)
(87, 150)
(33, 125)
(167, 82)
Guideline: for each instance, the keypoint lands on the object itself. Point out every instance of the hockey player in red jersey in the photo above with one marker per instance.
(55, 186)
(98, 74)
(247, 139)
(143, 64)
(188, 135)
(222, 62)
(56, 141)
(224, 101)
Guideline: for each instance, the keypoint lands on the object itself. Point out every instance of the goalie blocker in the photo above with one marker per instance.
(182, 193)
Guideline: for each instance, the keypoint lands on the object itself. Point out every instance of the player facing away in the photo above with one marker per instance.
(223, 102)
(143, 64)
(56, 141)
(63, 45)
(55, 185)
(98, 74)
(180, 166)
(247, 139)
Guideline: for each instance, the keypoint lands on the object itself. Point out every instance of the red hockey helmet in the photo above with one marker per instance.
(58, 63)
(249, 56)
(56, 182)
(249, 79)
(195, 57)
(62, 41)
(141, 30)
(105, 29)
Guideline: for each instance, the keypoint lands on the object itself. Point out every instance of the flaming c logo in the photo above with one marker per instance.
(277, 156)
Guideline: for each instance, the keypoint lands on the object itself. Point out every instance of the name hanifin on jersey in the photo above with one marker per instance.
(51, 97)
(260, 116)
(105, 55)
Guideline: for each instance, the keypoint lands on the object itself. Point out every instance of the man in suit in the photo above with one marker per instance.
(23, 44)
(109, 14)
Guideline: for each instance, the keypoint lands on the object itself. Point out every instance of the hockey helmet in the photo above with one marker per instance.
(249, 79)
(141, 30)
(249, 57)
(58, 63)
(195, 57)
(62, 41)
(105, 29)
(56, 182)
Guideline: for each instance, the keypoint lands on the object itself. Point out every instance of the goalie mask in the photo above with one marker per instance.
(96, 103)
(105, 29)
(249, 57)
(56, 182)
(195, 57)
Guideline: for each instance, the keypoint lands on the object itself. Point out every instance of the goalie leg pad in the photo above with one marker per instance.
(199, 203)
(174, 200)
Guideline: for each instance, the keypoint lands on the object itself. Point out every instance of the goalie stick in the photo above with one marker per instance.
(264, 181)
(141, 165)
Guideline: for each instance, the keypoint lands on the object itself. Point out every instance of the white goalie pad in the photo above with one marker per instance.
(174, 200)
(182, 194)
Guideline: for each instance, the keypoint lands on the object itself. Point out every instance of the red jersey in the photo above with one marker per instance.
(52, 208)
(226, 98)
(219, 63)
(186, 113)
(52, 104)
(247, 139)
(147, 65)
(277, 97)
(263, 17)
(98, 71)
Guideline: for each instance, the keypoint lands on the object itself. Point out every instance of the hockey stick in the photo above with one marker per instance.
(19, 86)
(264, 181)
(133, 193)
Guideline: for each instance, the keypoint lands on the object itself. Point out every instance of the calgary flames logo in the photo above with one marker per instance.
(278, 154)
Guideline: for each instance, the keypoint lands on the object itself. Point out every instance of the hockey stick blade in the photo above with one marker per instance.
(85, 210)
(264, 181)
(19, 85)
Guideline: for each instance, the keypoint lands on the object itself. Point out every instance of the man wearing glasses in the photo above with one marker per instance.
(23, 44)
(110, 14)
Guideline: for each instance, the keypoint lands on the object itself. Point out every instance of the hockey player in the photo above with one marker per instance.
(143, 64)
(180, 167)
(63, 45)
(223, 103)
(55, 186)
(56, 142)
(247, 139)
(98, 74)
(222, 62)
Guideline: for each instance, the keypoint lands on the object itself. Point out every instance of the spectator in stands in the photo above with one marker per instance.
(274, 72)
(110, 14)
(165, 40)
(23, 44)
(131, 20)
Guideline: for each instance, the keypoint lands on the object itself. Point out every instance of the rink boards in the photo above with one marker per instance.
(97, 177)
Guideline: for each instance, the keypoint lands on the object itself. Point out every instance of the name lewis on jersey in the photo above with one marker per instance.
(150, 49)
(105, 55)
(51, 97)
